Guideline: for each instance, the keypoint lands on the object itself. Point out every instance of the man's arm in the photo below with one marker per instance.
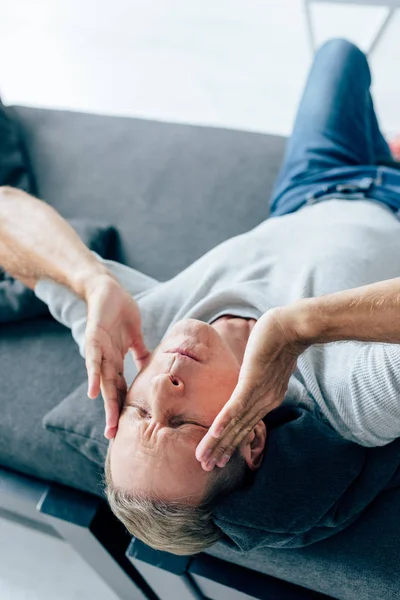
(37, 243)
(368, 314)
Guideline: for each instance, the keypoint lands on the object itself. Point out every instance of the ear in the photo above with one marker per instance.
(252, 447)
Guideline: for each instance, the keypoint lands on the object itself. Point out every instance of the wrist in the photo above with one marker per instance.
(301, 319)
(88, 279)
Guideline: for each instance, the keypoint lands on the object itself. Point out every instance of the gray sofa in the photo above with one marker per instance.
(173, 192)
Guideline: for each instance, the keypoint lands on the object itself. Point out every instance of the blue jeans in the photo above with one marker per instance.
(336, 145)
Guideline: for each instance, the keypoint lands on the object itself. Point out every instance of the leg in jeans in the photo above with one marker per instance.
(336, 125)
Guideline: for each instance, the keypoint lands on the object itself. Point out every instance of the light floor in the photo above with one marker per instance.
(228, 63)
(34, 566)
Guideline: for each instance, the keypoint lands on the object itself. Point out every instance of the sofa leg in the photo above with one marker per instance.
(166, 573)
(87, 524)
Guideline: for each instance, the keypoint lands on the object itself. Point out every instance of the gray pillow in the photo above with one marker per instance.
(79, 422)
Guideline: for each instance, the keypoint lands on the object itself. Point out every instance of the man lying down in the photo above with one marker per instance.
(257, 321)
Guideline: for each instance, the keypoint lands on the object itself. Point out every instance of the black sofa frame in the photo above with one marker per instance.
(131, 569)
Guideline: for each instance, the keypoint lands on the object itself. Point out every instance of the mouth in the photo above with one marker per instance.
(183, 352)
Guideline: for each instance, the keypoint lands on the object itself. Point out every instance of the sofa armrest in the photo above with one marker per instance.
(205, 576)
(166, 573)
(88, 525)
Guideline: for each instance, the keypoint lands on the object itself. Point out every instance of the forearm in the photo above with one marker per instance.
(37, 243)
(370, 314)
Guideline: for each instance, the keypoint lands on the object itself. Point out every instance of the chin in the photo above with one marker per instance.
(194, 335)
(190, 328)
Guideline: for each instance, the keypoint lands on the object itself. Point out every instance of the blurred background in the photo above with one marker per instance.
(227, 63)
(230, 63)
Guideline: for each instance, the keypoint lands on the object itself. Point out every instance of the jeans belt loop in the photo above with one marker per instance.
(342, 188)
(366, 183)
(312, 197)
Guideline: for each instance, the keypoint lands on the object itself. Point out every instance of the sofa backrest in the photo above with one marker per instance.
(173, 191)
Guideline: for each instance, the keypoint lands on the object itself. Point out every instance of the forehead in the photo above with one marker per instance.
(167, 467)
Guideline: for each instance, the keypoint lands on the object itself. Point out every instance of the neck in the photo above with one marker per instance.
(235, 332)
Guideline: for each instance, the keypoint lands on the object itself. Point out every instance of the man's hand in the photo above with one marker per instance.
(269, 360)
(113, 328)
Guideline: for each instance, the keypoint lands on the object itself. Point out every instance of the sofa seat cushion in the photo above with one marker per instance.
(40, 365)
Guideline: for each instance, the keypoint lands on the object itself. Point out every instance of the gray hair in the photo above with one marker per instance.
(170, 525)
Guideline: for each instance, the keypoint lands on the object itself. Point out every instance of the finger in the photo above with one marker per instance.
(206, 446)
(113, 389)
(225, 449)
(229, 442)
(232, 413)
(110, 432)
(212, 448)
(111, 407)
(93, 367)
(239, 414)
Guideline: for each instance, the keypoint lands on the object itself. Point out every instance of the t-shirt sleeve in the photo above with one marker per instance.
(70, 310)
(362, 383)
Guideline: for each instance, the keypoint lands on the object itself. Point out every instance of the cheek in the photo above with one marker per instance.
(219, 385)
(226, 370)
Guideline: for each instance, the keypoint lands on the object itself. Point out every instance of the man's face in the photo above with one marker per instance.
(171, 404)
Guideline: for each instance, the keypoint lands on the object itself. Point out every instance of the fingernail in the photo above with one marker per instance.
(224, 460)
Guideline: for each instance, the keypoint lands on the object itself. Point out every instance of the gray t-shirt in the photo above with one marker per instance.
(320, 249)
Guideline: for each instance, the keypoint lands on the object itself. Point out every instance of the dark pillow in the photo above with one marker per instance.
(15, 170)
(18, 302)
(312, 483)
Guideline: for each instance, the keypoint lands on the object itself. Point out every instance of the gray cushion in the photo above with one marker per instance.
(79, 422)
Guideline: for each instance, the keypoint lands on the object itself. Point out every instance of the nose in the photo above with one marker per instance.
(165, 383)
(166, 394)
(175, 381)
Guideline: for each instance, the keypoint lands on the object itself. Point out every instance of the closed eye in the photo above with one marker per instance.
(174, 421)
(180, 423)
(144, 414)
